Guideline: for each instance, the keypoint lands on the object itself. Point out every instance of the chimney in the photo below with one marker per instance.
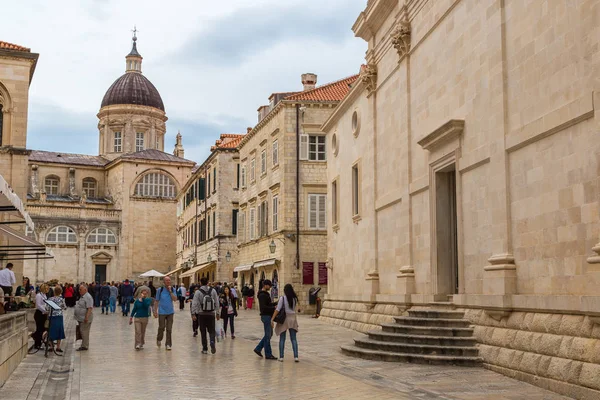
(309, 81)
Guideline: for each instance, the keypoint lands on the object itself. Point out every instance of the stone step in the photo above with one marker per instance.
(422, 339)
(444, 314)
(442, 305)
(379, 355)
(436, 322)
(427, 330)
(416, 348)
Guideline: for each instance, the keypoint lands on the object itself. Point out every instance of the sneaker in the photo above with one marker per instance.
(233, 336)
(213, 348)
(167, 347)
(296, 359)
(270, 358)
(158, 343)
(280, 359)
(137, 347)
(204, 351)
(81, 349)
(258, 353)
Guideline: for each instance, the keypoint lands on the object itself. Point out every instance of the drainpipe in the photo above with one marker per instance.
(297, 186)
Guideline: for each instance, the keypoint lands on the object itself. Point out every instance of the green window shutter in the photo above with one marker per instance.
(202, 189)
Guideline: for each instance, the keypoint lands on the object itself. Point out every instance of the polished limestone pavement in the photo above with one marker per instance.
(113, 369)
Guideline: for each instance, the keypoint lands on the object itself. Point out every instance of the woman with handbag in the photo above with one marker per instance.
(40, 316)
(228, 310)
(285, 316)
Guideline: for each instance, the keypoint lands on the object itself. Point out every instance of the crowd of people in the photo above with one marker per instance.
(213, 308)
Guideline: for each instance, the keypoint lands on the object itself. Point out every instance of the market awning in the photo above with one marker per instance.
(11, 204)
(265, 263)
(14, 245)
(192, 271)
(173, 272)
(241, 268)
(152, 274)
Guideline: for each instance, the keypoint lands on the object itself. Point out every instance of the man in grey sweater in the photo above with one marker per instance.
(205, 307)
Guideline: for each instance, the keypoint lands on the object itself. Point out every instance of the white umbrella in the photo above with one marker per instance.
(152, 274)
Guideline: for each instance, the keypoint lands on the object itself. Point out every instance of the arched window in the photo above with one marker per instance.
(102, 236)
(61, 234)
(155, 185)
(90, 187)
(51, 184)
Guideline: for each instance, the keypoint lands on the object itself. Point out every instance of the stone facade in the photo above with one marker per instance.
(17, 65)
(111, 216)
(469, 138)
(207, 209)
(290, 246)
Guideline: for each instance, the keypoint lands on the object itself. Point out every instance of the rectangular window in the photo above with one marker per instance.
(334, 202)
(234, 222)
(253, 170)
(208, 227)
(157, 144)
(214, 223)
(316, 148)
(139, 141)
(275, 153)
(202, 230)
(275, 212)
(316, 211)
(241, 233)
(355, 190)
(243, 177)
(51, 185)
(208, 184)
(201, 189)
(214, 179)
(118, 142)
(237, 176)
(263, 162)
(252, 225)
(263, 219)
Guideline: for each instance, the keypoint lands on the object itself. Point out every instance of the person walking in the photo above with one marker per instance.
(141, 313)
(204, 309)
(266, 313)
(105, 297)
(182, 292)
(288, 303)
(7, 279)
(69, 295)
(40, 316)
(57, 325)
(245, 296)
(112, 300)
(228, 309)
(152, 289)
(250, 297)
(126, 296)
(164, 311)
(84, 316)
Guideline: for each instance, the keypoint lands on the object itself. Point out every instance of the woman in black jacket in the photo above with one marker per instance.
(228, 310)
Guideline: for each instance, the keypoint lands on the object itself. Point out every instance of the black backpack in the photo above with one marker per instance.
(207, 303)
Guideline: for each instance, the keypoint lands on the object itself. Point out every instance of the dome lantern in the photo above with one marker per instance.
(133, 60)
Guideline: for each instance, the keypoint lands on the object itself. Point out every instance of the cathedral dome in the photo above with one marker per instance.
(133, 88)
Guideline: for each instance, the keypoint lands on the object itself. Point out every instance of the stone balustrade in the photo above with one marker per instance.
(13, 342)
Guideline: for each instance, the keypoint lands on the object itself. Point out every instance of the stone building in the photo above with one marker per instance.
(207, 209)
(463, 173)
(282, 219)
(110, 216)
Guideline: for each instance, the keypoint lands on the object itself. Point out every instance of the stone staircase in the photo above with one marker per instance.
(437, 335)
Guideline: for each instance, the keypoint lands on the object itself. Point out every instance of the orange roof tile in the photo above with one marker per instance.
(228, 141)
(10, 46)
(334, 91)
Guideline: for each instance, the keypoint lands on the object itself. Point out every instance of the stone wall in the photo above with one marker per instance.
(13, 342)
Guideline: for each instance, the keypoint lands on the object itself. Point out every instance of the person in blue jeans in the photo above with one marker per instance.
(126, 296)
(288, 303)
(267, 308)
(114, 293)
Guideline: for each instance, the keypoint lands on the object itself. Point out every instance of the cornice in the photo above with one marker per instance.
(126, 109)
(371, 19)
(445, 133)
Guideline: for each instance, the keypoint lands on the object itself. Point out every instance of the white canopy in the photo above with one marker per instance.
(11, 203)
(152, 274)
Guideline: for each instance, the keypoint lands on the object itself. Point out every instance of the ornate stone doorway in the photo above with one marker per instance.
(100, 273)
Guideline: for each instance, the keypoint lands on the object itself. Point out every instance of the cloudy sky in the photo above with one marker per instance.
(213, 62)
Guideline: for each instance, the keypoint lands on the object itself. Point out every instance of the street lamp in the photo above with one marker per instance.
(228, 256)
(272, 246)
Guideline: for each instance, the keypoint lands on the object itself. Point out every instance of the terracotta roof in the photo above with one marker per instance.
(228, 141)
(10, 46)
(334, 91)
(153, 154)
(67, 158)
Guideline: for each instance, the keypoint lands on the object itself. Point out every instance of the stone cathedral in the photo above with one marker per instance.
(110, 216)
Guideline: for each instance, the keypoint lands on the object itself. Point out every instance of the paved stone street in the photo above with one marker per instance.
(113, 369)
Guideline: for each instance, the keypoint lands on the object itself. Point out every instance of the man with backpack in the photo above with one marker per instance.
(204, 310)
(164, 311)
